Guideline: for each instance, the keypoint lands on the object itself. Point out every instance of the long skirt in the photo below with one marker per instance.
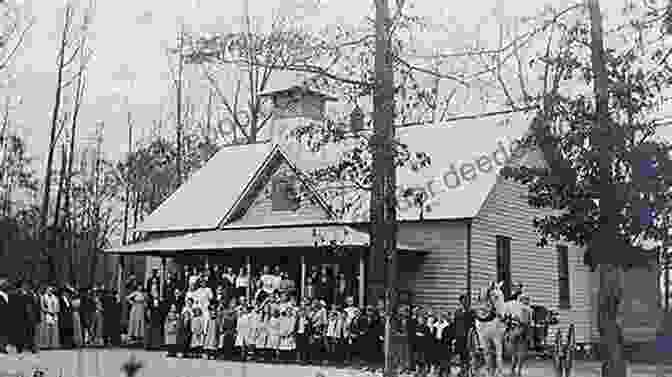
(154, 338)
(260, 339)
(97, 328)
(49, 336)
(287, 343)
(78, 335)
(136, 324)
(273, 341)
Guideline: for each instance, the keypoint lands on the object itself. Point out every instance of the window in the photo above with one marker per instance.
(504, 263)
(564, 298)
(284, 196)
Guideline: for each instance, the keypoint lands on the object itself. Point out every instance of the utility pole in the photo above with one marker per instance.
(178, 88)
(383, 215)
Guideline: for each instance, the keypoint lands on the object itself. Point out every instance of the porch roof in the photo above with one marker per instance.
(254, 238)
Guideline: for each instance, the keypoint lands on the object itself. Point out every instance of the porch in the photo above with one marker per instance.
(299, 249)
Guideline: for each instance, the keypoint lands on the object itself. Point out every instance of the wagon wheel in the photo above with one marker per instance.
(569, 351)
(474, 363)
(557, 353)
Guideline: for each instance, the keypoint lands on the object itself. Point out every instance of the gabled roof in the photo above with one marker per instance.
(207, 198)
(276, 154)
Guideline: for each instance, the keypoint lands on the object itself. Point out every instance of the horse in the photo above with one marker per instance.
(497, 323)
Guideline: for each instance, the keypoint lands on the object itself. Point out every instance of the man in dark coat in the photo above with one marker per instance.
(111, 318)
(464, 319)
(28, 315)
(65, 320)
(6, 320)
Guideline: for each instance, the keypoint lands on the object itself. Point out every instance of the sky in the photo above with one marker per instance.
(130, 70)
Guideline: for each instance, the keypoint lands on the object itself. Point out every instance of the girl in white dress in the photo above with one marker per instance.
(243, 330)
(287, 325)
(260, 324)
(274, 332)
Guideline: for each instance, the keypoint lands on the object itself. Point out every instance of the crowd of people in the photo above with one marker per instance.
(43, 316)
(228, 316)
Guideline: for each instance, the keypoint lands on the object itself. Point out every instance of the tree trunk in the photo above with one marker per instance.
(44, 210)
(610, 289)
(609, 321)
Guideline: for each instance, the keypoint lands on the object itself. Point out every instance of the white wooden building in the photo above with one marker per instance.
(472, 233)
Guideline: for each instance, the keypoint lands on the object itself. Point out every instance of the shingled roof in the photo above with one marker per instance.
(204, 201)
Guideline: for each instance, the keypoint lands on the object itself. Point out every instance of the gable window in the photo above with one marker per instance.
(504, 263)
(564, 299)
(284, 196)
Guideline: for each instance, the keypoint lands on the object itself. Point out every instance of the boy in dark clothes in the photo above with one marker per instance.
(464, 320)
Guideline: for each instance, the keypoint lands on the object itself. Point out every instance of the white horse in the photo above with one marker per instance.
(492, 326)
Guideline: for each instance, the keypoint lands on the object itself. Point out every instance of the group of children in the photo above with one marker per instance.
(276, 329)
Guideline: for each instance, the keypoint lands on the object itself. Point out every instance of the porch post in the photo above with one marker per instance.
(335, 269)
(120, 277)
(248, 261)
(162, 286)
(362, 278)
(302, 286)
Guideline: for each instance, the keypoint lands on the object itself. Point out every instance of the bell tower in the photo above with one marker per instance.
(292, 108)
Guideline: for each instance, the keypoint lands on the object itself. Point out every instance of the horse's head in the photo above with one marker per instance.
(494, 294)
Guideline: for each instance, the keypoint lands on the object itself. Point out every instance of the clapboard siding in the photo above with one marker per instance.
(261, 209)
(506, 213)
(438, 278)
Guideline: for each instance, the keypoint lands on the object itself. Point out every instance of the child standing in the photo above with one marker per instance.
(197, 332)
(260, 321)
(422, 339)
(243, 330)
(185, 328)
(211, 340)
(287, 339)
(227, 329)
(171, 328)
(302, 332)
(331, 335)
(273, 339)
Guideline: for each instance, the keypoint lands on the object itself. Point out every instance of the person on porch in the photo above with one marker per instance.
(242, 282)
(153, 283)
(266, 283)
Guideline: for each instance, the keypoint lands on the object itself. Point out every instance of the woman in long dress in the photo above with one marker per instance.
(136, 322)
(50, 311)
(78, 334)
(97, 319)
(154, 338)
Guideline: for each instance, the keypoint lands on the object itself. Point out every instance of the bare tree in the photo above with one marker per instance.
(69, 49)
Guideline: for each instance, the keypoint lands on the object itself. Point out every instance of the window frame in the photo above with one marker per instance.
(280, 185)
(564, 278)
(503, 254)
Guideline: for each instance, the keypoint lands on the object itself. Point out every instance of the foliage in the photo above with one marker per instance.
(565, 130)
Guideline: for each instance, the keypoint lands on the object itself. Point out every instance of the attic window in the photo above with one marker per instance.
(284, 195)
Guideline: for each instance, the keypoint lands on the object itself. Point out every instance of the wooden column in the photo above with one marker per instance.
(162, 286)
(120, 278)
(335, 271)
(248, 261)
(302, 287)
(362, 279)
